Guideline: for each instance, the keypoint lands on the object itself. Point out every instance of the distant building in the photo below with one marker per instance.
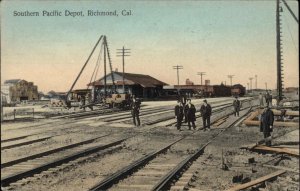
(188, 82)
(56, 95)
(189, 90)
(17, 90)
(207, 82)
(141, 85)
(291, 89)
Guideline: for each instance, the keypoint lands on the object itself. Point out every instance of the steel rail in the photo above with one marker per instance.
(165, 181)
(142, 114)
(106, 183)
(197, 116)
(79, 114)
(15, 177)
(217, 110)
(119, 175)
(25, 143)
(42, 154)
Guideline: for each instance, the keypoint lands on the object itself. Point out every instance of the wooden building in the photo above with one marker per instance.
(143, 86)
(19, 90)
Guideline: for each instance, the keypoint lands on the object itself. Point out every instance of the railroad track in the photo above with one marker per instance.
(159, 169)
(161, 112)
(26, 139)
(15, 170)
(27, 142)
(125, 117)
(79, 115)
(170, 116)
(18, 169)
(218, 109)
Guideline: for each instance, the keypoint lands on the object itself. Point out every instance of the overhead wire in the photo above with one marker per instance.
(288, 27)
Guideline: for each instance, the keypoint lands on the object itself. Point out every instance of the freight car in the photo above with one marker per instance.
(238, 90)
(221, 91)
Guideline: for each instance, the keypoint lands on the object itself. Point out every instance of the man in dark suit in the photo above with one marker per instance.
(266, 123)
(190, 114)
(236, 105)
(179, 114)
(205, 111)
(135, 110)
(267, 98)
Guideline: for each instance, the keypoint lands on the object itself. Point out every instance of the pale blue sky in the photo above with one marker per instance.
(217, 37)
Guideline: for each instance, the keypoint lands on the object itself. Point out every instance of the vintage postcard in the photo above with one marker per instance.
(149, 95)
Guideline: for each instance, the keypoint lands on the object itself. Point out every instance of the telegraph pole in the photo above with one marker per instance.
(177, 67)
(248, 86)
(251, 83)
(255, 81)
(279, 51)
(201, 74)
(230, 77)
(266, 84)
(123, 52)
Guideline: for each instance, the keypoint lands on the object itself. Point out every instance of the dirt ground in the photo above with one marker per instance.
(224, 150)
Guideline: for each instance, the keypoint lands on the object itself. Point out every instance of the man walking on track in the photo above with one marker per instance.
(261, 100)
(179, 114)
(266, 123)
(190, 114)
(205, 111)
(236, 106)
(135, 110)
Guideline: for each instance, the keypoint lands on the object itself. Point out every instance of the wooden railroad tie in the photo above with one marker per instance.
(257, 181)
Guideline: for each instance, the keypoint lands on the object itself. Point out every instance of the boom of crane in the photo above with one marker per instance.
(113, 100)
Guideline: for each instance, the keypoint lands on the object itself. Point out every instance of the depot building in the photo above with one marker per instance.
(143, 86)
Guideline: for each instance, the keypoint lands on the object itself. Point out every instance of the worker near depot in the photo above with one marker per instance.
(268, 98)
(236, 106)
(205, 111)
(191, 114)
(179, 114)
(135, 110)
(261, 100)
(266, 123)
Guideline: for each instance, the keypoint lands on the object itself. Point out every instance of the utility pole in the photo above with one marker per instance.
(177, 67)
(266, 84)
(230, 77)
(248, 86)
(279, 51)
(251, 83)
(123, 52)
(255, 81)
(201, 74)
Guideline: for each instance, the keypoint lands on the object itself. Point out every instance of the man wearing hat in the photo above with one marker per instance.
(205, 111)
(266, 123)
(179, 114)
(135, 110)
(236, 106)
(190, 114)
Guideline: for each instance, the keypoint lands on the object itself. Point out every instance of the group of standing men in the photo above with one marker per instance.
(188, 112)
(268, 98)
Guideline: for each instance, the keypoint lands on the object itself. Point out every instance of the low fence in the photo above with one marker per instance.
(19, 114)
